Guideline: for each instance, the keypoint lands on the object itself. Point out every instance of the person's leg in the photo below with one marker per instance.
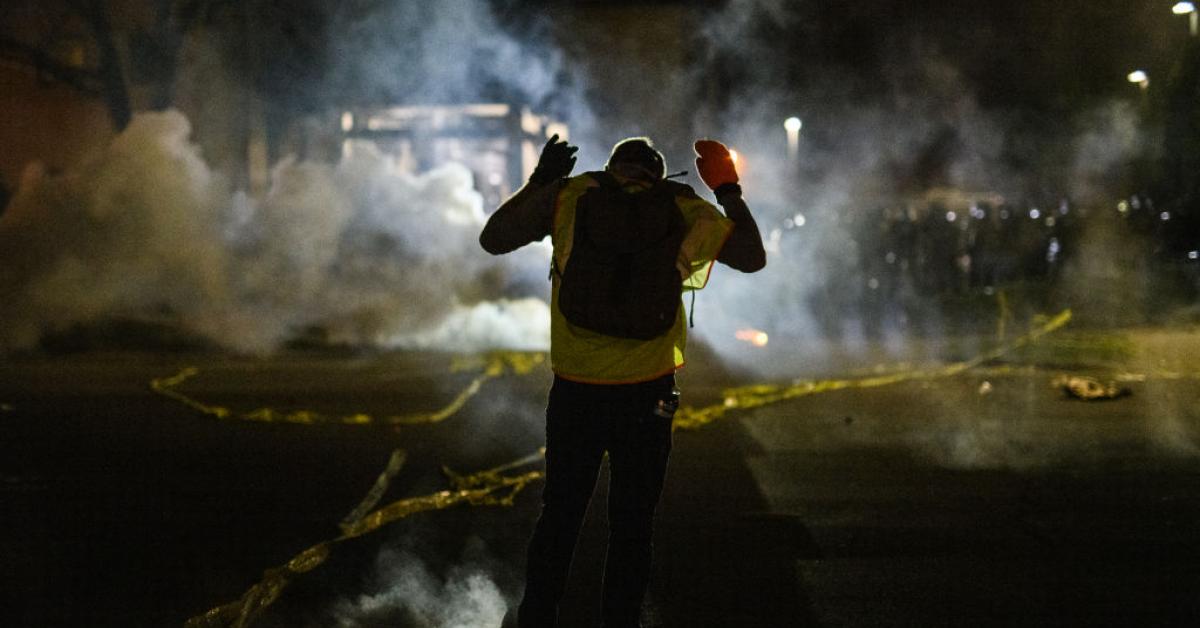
(638, 453)
(574, 447)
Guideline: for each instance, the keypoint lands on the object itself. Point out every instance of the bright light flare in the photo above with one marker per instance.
(793, 124)
(752, 336)
(733, 154)
(1183, 8)
(1138, 76)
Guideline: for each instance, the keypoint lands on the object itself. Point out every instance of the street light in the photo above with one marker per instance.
(793, 125)
(1188, 9)
(1140, 77)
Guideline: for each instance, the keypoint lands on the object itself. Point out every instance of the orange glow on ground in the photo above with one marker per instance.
(752, 336)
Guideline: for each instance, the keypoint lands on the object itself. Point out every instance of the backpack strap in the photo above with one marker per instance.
(605, 178)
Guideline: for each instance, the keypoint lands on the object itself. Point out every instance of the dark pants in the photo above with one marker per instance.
(582, 422)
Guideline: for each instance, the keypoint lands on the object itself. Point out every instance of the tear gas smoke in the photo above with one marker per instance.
(406, 592)
(367, 253)
(904, 136)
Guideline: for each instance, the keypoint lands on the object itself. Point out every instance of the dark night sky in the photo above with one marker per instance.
(1043, 55)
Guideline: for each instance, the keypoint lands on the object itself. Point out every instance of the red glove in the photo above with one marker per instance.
(714, 164)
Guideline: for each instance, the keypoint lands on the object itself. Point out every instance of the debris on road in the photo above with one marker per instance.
(1089, 388)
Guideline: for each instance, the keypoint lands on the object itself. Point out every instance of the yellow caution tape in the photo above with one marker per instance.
(758, 395)
(492, 365)
(1004, 316)
(1156, 374)
(493, 489)
(491, 476)
(491, 486)
(395, 462)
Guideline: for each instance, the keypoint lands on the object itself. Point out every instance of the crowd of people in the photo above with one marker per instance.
(911, 260)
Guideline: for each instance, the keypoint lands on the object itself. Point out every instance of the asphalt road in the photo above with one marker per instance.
(939, 502)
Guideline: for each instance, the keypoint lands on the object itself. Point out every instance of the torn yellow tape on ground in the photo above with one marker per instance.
(395, 462)
(492, 365)
(758, 395)
(493, 489)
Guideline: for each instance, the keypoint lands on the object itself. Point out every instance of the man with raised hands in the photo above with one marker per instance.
(628, 242)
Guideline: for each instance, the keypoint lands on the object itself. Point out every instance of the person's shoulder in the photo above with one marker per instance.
(686, 198)
(680, 189)
(590, 178)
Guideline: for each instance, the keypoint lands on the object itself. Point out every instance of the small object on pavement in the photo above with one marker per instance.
(1089, 388)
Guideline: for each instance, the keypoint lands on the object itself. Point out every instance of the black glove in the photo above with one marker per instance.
(556, 162)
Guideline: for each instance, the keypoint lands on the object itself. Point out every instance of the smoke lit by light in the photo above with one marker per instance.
(752, 336)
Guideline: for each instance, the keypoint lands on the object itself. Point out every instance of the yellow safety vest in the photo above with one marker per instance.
(585, 356)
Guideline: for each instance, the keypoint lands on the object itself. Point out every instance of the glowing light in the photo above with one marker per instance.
(792, 125)
(1164, 216)
(951, 216)
(347, 121)
(1050, 221)
(1138, 76)
(733, 154)
(1122, 207)
(1035, 213)
(752, 336)
(799, 220)
(1183, 8)
(1193, 254)
(873, 283)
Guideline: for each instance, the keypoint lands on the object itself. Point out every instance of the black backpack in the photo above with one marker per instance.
(621, 279)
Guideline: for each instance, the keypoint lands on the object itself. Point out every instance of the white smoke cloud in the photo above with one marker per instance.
(873, 138)
(407, 593)
(368, 253)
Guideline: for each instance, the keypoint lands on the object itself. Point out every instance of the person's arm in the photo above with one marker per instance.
(525, 217)
(744, 249)
(528, 216)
